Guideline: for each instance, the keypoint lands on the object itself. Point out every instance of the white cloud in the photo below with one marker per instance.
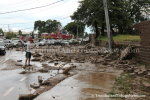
(57, 11)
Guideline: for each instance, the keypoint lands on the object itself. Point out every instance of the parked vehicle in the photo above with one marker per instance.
(58, 42)
(65, 42)
(8, 43)
(1, 40)
(2, 48)
(18, 43)
(73, 41)
(15, 42)
(43, 43)
(51, 42)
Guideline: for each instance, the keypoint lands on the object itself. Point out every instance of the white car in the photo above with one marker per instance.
(51, 42)
(43, 43)
(8, 43)
(65, 42)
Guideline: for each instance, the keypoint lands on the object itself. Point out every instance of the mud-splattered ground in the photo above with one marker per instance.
(92, 78)
(12, 82)
(87, 84)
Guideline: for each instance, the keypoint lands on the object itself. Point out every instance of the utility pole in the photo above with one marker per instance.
(107, 24)
(8, 28)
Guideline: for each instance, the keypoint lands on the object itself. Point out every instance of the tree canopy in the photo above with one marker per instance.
(123, 14)
(75, 27)
(20, 32)
(47, 26)
(1, 32)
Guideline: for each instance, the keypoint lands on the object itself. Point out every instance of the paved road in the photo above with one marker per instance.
(11, 82)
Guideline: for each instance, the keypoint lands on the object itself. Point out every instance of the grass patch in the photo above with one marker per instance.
(122, 86)
(122, 38)
(123, 82)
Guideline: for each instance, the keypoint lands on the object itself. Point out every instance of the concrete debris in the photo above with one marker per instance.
(126, 53)
(36, 59)
(36, 54)
(44, 70)
(19, 60)
(18, 64)
(146, 86)
(34, 86)
(27, 96)
(40, 80)
(43, 86)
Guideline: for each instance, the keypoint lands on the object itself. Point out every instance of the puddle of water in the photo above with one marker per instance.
(92, 91)
(97, 79)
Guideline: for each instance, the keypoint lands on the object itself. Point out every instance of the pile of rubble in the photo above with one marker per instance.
(44, 86)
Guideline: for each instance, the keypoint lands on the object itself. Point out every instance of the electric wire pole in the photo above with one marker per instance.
(107, 24)
(8, 28)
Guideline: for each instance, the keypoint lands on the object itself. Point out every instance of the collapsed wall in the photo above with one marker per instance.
(144, 29)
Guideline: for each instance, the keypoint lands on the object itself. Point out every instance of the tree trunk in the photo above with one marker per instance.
(120, 30)
(102, 30)
(96, 29)
(112, 31)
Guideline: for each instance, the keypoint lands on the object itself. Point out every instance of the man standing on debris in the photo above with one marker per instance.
(28, 53)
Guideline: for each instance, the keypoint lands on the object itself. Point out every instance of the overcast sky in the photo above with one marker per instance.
(25, 20)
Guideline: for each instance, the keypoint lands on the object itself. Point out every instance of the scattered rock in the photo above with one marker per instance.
(47, 82)
(40, 80)
(19, 60)
(36, 55)
(36, 59)
(34, 86)
(126, 53)
(44, 70)
(146, 86)
(18, 64)
(27, 96)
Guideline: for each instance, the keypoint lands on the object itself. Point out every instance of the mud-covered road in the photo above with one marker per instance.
(87, 81)
(12, 83)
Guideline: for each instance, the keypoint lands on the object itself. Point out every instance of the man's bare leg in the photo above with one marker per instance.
(29, 61)
(26, 61)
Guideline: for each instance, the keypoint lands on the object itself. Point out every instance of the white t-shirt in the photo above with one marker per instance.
(28, 47)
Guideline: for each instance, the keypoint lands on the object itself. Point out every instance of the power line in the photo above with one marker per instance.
(31, 8)
(17, 23)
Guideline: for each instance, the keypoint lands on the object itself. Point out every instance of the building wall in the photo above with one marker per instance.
(144, 29)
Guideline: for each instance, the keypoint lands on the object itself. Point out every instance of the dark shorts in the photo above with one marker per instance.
(28, 54)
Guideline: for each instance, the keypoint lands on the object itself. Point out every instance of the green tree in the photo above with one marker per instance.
(123, 14)
(20, 32)
(47, 26)
(75, 27)
(52, 25)
(10, 35)
(1, 32)
(32, 34)
(40, 26)
(91, 13)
